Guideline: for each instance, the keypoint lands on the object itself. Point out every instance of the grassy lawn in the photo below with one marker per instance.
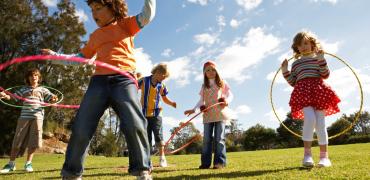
(349, 162)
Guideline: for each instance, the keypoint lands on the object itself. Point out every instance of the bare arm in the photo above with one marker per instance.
(169, 101)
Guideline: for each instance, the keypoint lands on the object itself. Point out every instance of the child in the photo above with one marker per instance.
(152, 89)
(213, 90)
(112, 43)
(29, 125)
(311, 99)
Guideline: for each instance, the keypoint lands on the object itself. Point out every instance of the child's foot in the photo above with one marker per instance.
(162, 162)
(307, 161)
(218, 166)
(324, 162)
(144, 175)
(28, 167)
(7, 168)
(203, 167)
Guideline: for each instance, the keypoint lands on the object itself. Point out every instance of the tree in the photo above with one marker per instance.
(362, 125)
(337, 127)
(234, 136)
(258, 137)
(27, 27)
(185, 135)
(286, 138)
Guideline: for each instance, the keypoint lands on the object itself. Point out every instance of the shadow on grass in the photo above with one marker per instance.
(235, 174)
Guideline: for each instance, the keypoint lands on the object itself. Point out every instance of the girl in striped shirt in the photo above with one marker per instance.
(311, 99)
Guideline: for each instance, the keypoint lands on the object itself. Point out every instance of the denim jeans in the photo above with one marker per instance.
(105, 91)
(218, 143)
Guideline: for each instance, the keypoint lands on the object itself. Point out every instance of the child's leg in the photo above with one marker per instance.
(124, 101)
(308, 129)
(34, 138)
(207, 145)
(322, 133)
(219, 159)
(150, 131)
(92, 107)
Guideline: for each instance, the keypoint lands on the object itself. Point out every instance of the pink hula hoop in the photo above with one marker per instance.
(61, 58)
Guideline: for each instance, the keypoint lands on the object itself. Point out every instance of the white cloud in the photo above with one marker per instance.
(180, 70)
(253, 48)
(82, 16)
(242, 109)
(182, 28)
(234, 23)
(205, 38)
(281, 112)
(167, 52)
(221, 21)
(279, 79)
(330, 47)
(143, 63)
(249, 4)
(329, 1)
(201, 2)
(50, 3)
(344, 83)
(221, 8)
(276, 2)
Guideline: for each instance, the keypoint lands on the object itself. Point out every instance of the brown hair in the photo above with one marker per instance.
(219, 82)
(30, 73)
(161, 68)
(299, 37)
(118, 7)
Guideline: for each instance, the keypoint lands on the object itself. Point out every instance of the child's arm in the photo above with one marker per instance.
(168, 101)
(289, 76)
(65, 63)
(147, 13)
(323, 66)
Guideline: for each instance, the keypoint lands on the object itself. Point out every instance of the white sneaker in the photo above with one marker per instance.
(8, 168)
(144, 175)
(28, 167)
(163, 162)
(324, 162)
(307, 161)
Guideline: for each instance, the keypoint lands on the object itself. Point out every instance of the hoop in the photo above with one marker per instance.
(335, 135)
(42, 103)
(65, 58)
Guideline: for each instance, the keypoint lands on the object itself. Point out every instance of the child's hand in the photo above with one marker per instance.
(54, 99)
(189, 112)
(4, 95)
(284, 65)
(223, 101)
(47, 52)
(203, 107)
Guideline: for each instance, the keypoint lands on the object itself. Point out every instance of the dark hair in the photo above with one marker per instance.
(30, 73)
(118, 7)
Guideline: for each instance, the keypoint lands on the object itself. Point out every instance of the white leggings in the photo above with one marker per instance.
(314, 119)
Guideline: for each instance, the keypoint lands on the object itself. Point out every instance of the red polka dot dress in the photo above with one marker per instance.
(313, 92)
(306, 77)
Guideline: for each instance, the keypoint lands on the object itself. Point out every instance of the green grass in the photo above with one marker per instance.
(349, 162)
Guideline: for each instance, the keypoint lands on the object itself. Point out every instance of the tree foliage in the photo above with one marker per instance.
(27, 27)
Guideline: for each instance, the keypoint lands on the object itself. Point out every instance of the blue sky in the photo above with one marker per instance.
(248, 39)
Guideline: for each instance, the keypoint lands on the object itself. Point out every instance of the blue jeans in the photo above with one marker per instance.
(120, 93)
(218, 142)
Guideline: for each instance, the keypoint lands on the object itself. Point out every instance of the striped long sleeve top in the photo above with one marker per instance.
(313, 66)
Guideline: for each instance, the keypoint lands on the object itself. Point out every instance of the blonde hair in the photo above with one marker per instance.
(161, 68)
(299, 37)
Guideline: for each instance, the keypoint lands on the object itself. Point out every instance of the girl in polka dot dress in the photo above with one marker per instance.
(311, 99)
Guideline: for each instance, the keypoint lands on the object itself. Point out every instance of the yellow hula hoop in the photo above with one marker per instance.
(335, 135)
